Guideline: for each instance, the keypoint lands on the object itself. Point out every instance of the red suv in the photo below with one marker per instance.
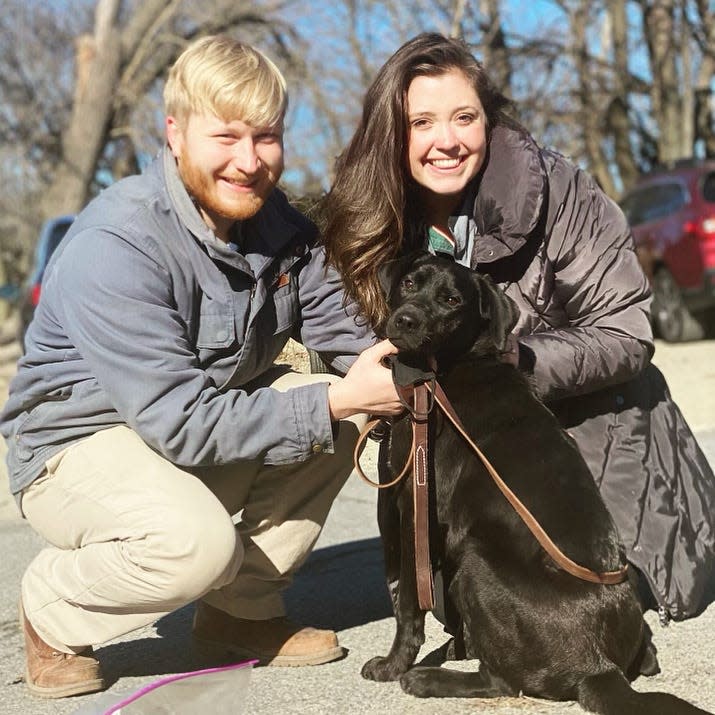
(672, 214)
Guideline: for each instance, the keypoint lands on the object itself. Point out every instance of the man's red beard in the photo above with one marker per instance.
(204, 191)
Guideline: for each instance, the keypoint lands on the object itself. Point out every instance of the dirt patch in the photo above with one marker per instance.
(296, 356)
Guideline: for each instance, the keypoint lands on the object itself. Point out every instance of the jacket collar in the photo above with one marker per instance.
(510, 196)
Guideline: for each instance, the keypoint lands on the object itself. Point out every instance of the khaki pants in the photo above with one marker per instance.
(134, 537)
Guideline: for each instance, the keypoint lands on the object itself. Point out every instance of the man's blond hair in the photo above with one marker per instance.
(221, 76)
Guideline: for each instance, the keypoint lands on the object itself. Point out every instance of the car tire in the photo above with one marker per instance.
(672, 321)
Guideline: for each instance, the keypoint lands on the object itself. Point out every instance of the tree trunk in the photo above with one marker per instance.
(704, 100)
(496, 54)
(658, 27)
(98, 63)
(617, 118)
(588, 93)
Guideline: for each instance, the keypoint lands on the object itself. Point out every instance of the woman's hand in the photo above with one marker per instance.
(510, 353)
(367, 387)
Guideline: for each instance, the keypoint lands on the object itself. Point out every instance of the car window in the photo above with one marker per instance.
(653, 202)
(709, 187)
(57, 234)
(635, 205)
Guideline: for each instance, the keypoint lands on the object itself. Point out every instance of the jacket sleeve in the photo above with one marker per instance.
(600, 285)
(115, 302)
(329, 324)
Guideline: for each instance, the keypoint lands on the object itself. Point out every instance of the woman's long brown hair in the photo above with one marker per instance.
(372, 213)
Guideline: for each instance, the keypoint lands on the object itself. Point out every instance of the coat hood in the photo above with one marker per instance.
(511, 194)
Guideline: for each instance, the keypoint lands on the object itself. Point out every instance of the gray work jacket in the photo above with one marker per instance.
(147, 319)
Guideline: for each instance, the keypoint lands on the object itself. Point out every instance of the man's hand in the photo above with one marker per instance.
(367, 387)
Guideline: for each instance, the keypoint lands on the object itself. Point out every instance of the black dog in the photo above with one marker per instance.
(536, 629)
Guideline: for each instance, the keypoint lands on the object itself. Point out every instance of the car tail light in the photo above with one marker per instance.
(702, 227)
(704, 230)
(35, 294)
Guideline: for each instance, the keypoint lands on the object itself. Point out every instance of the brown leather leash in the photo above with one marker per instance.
(419, 457)
(420, 496)
(419, 409)
(585, 574)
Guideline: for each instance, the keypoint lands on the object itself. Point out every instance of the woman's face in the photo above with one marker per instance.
(447, 139)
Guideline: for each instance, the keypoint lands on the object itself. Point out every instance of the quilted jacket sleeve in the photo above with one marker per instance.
(600, 285)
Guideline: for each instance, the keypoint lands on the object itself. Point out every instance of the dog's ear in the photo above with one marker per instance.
(390, 272)
(498, 308)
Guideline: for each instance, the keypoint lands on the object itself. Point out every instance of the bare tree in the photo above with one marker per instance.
(495, 53)
(98, 62)
(589, 92)
(117, 64)
(704, 33)
(659, 25)
(618, 121)
(80, 84)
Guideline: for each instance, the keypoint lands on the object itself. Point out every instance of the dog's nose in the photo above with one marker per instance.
(405, 321)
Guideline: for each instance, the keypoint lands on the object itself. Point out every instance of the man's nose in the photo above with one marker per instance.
(245, 158)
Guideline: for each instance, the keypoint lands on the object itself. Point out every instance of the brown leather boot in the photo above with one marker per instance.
(52, 674)
(220, 637)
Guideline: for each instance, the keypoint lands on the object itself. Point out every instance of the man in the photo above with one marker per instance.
(146, 412)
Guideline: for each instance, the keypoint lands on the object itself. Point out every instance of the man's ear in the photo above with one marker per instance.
(174, 136)
(497, 308)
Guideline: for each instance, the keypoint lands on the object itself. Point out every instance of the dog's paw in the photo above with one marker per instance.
(418, 682)
(382, 669)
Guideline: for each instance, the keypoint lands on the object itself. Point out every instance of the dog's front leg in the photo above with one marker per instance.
(395, 518)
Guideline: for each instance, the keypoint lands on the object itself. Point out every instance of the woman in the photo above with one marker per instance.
(437, 163)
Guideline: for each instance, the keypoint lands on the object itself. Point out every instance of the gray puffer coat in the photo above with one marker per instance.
(563, 251)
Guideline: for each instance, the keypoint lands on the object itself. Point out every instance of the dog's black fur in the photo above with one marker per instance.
(536, 629)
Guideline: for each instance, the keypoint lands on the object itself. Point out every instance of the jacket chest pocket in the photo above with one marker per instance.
(286, 305)
(283, 294)
(216, 331)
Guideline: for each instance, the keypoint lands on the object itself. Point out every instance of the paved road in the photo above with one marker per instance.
(342, 587)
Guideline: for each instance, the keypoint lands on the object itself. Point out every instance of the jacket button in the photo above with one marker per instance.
(317, 448)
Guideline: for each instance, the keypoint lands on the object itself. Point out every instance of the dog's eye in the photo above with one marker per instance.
(453, 300)
(408, 283)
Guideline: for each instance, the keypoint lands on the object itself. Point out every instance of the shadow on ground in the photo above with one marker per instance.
(339, 587)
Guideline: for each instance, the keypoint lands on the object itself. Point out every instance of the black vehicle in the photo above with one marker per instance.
(52, 232)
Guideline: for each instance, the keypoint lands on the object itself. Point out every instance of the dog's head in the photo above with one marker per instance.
(441, 309)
